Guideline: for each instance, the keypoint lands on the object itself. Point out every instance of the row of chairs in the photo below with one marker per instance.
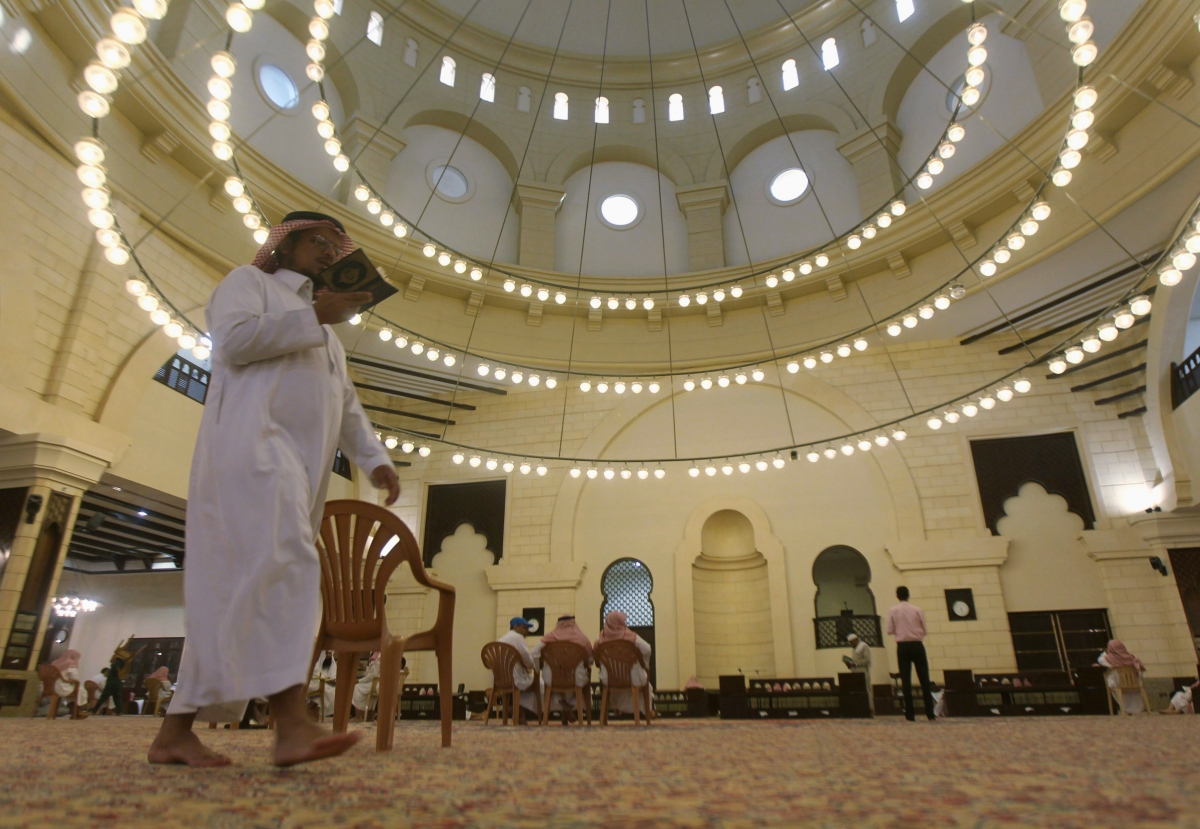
(618, 658)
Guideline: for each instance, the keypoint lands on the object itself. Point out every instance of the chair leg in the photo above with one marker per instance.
(212, 726)
(579, 707)
(604, 706)
(546, 706)
(491, 700)
(649, 705)
(347, 668)
(52, 713)
(389, 687)
(634, 694)
(234, 726)
(445, 680)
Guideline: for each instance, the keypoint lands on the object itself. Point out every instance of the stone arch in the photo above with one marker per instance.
(473, 129)
(765, 543)
(845, 570)
(885, 102)
(906, 504)
(579, 155)
(124, 393)
(819, 117)
(337, 68)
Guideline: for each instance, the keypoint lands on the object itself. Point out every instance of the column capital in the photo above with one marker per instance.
(53, 459)
(507, 576)
(699, 196)
(882, 135)
(359, 129)
(1165, 530)
(539, 195)
(950, 553)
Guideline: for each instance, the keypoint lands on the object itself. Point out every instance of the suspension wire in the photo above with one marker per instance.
(733, 203)
(587, 202)
(666, 317)
(1099, 225)
(508, 210)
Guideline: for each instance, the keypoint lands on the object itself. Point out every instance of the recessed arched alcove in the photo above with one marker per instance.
(731, 597)
(843, 579)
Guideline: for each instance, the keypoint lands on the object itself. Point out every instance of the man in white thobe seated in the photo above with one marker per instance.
(523, 675)
(279, 405)
(567, 630)
(325, 669)
(362, 688)
(616, 627)
(859, 662)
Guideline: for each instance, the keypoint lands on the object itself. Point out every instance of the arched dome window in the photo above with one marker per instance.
(716, 100)
(277, 86)
(487, 87)
(560, 106)
(639, 111)
(675, 107)
(791, 78)
(602, 110)
(410, 52)
(524, 96)
(829, 54)
(753, 90)
(375, 28)
(447, 73)
(904, 9)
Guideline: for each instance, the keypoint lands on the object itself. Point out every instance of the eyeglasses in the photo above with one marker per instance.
(321, 242)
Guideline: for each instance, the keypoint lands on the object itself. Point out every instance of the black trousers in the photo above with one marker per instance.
(112, 690)
(910, 655)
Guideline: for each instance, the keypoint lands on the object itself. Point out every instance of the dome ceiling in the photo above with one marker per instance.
(711, 22)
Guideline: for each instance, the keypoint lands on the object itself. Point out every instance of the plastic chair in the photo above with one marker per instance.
(500, 658)
(618, 659)
(93, 692)
(49, 675)
(155, 695)
(371, 712)
(317, 695)
(1130, 680)
(562, 658)
(354, 621)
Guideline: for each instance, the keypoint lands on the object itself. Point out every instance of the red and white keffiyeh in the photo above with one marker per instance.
(266, 261)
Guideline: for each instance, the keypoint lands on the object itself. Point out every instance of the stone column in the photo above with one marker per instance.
(931, 566)
(537, 204)
(374, 147)
(54, 471)
(872, 155)
(704, 206)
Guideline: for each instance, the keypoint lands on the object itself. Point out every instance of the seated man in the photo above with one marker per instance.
(523, 675)
(101, 679)
(1117, 656)
(566, 631)
(68, 669)
(326, 669)
(616, 628)
(163, 677)
(362, 688)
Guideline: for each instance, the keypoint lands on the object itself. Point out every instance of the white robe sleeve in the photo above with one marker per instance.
(357, 439)
(244, 333)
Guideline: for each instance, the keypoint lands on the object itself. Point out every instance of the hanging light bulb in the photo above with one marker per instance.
(706, 383)
(602, 387)
(391, 442)
(619, 387)
(925, 312)
(881, 440)
(956, 133)
(860, 344)
(1184, 260)
(847, 449)
(812, 457)
(613, 303)
(806, 267)
(1074, 355)
(609, 473)
(239, 18)
(951, 416)
(1086, 97)
(830, 452)
(1169, 275)
(318, 28)
(1061, 177)
(941, 302)
(1015, 241)
(1021, 385)
(898, 207)
(1004, 394)
(822, 260)
(653, 387)
(740, 378)
(117, 255)
(476, 274)
(1108, 331)
(129, 27)
(551, 382)
(1084, 53)
(483, 369)
(636, 387)
(526, 289)
(723, 381)
(642, 473)
(510, 285)
(96, 197)
(893, 329)
(424, 451)
(772, 280)
(864, 445)
(758, 374)
(701, 298)
(1091, 343)
(719, 295)
(689, 384)
(694, 471)
(899, 435)
(585, 386)
(1070, 159)
(793, 367)
(970, 409)
(93, 104)
(744, 467)
(826, 357)
(934, 423)
(987, 267)
(1057, 365)
(1140, 305)
(1001, 255)
(112, 53)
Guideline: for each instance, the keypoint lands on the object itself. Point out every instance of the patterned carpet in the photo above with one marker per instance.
(1053, 772)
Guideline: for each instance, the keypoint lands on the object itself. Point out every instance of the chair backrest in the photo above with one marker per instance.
(618, 659)
(1131, 678)
(93, 691)
(563, 658)
(500, 658)
(154, 687)
(48, 674)
(354, 572)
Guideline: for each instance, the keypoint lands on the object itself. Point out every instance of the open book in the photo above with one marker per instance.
(352, 273)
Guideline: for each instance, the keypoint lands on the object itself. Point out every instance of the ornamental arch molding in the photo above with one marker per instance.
(817, 116)
(579, 156)
(903, 69)
(458, 123)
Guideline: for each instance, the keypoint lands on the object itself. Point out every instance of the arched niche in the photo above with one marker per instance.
(907, 66)
(821, 116)
(627, 585)
(717, 536)
(462, 561)
(731, 600)
(842, 576)
(582, 154)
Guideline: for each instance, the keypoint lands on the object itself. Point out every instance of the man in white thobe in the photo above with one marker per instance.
(279, 404)
(523, 675)
(859, 662)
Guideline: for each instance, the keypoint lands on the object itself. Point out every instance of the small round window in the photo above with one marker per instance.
(450, 181)
(620, 211)
(278, 86)
(956, 91)
(788, 186)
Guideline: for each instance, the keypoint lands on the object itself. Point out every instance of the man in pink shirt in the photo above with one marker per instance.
(906, 622)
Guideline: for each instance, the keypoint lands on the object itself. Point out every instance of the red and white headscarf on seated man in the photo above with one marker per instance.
(266, 260)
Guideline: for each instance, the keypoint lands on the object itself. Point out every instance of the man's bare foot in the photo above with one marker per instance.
(305, 742)
(185, 749)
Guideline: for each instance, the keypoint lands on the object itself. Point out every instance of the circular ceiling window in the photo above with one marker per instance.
(789, 186)
(620, 211)
(277, 86)
(449, 182)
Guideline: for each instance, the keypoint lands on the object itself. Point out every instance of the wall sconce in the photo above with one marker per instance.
(1157, 564)
(32, 507)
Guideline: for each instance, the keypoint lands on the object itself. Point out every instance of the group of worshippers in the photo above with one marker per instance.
(530, 676)
(322, 686)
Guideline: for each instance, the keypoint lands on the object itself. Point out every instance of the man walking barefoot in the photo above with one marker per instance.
(279, 404)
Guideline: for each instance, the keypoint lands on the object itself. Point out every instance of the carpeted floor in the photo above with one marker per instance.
(1055, 772)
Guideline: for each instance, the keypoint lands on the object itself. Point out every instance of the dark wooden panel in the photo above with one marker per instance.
(1004, 465)
(11, 501)
(479, 504)
(1186, 564)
